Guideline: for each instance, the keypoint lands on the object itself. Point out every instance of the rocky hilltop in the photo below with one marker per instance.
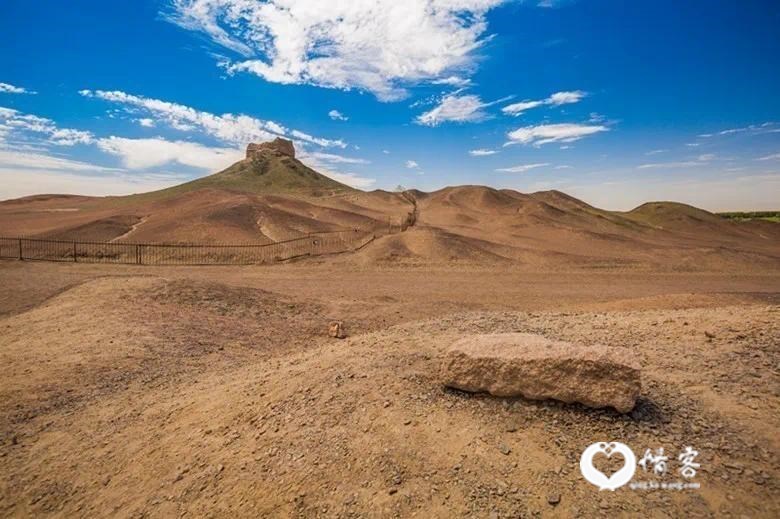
(278, 147)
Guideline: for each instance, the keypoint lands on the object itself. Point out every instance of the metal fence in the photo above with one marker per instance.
(182, 254)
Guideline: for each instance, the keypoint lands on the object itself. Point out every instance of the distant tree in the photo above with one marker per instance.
(399, 188)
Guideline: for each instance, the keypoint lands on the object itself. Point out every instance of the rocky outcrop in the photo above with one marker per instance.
(278, 146)
(532, 366)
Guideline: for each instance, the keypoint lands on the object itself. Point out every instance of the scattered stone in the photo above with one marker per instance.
(522, 364)
(554, 499)
(336, 330)
(709, 335)
(392, 491)
(505, 450)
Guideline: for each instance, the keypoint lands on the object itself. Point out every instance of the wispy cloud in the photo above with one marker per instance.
(331, 158)
(656, 152)
(752, 129)
(556, 99)
(774, 156)
(482, 152)
(702, 160)
(11, 159)
(337, 116)
(548, 133)
(6, 88)
(379, 46)
(410, 164)
(522, 168)
(235, 129)
(673, 165)
(456, 108)
(326, 163)
(148, 153)
(21, 124)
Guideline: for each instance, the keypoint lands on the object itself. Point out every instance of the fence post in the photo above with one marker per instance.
(20, 250)
(75, 258)
(140, 254)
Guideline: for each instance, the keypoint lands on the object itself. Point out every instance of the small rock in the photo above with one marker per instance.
(336, 330)
(505, 450)
(554, 499)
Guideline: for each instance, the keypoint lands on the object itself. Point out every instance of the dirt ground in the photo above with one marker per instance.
(215, 391)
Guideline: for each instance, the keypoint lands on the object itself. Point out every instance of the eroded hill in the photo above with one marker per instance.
(272, 196)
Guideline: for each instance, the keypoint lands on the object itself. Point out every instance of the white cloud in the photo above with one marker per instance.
(456, 108)
(24, 173)
(547, 133)
(324, 162)
(380, 46)
(331, 158)
(21, 125)
(454, 81)
(10, 159)
(482, 152)
(702, 160)
(349, 179)
(146, 122)
(556, 99)
(519, 108)
(753, 129)
(467, 108)
(337, 116)
(410, 164)
(6, 88)
(148, 153)
(565, 98)
(522, 168)
(15, 183)
(774, 156)
(673, 165)
(235, 129)
(656, 152)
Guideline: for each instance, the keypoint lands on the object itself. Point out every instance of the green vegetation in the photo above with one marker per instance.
(771, 216)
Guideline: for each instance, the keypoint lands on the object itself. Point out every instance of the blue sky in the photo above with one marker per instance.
(611, 101)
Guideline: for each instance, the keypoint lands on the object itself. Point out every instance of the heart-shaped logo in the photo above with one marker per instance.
(598, 478)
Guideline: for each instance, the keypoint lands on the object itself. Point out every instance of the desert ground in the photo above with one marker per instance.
(215, 391)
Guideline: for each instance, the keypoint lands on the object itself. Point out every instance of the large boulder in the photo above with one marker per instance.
(532, 366)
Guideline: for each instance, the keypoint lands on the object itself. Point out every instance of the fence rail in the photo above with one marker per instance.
(182, 254)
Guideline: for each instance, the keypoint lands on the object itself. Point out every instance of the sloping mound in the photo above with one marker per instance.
(673, 215)
(100, 230)
(431, 245)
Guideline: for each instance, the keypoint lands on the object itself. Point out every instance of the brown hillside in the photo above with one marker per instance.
(271, 196)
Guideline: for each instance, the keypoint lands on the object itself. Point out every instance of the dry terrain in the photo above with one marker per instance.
(137, 391)
(215, 391)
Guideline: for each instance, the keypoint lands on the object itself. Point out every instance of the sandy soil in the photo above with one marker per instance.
(151, 392)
